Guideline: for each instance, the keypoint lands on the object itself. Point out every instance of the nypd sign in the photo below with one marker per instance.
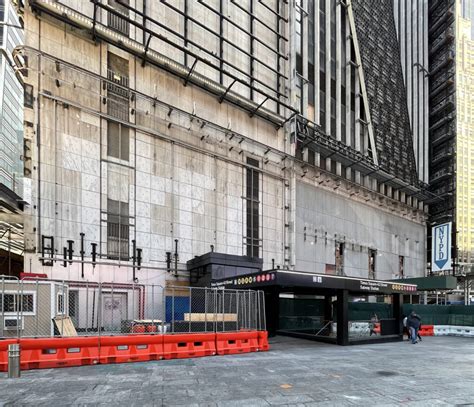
(441, 247)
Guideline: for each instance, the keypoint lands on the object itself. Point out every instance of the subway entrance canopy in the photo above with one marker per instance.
(336, 326)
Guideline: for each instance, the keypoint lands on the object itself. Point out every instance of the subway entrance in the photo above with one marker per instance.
(327, 308)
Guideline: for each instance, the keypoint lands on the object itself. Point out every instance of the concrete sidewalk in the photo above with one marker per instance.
(437, 371)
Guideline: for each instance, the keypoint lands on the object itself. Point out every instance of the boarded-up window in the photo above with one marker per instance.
(118, 140)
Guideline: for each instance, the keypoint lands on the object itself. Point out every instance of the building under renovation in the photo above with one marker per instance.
(160, 131)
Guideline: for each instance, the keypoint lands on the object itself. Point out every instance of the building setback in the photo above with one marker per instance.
(262, 129)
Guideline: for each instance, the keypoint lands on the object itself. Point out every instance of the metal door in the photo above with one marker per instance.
(114, 311)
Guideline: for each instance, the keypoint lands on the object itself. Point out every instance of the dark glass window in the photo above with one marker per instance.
(372, 259)
(28, 98)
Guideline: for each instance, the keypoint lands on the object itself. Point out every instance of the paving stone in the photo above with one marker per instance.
(437, 372)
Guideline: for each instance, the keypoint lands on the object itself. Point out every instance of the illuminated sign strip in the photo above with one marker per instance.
(305, 280)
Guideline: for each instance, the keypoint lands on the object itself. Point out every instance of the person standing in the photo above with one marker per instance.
(373, 324)
(405, 328)
(413, 324)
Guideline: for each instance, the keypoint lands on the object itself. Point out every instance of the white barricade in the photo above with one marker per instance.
(453, 330)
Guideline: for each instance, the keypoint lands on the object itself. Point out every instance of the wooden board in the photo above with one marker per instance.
(197, 317)
(64, 325)
(177, 288)
(147, 321)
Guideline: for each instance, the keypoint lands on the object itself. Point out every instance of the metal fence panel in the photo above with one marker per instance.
(47, 308)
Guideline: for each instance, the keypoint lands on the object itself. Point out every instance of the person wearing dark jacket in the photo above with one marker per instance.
(413, 324)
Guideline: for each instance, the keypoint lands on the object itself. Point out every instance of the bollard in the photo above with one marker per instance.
(14, 360)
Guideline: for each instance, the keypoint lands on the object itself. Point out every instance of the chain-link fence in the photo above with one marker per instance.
(46, 308)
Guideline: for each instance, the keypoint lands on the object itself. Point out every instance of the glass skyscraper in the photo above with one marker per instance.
(11, 101)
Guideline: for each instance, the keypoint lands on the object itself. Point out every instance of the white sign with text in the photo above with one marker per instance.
(441, 247)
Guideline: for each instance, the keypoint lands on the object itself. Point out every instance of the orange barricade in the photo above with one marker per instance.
(4, 353)
(229, 343)
(426, 330)
(263, 341)
(134, 348)
(46, 353)
(191, 345)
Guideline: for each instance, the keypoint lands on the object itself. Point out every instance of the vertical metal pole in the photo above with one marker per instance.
(82, 252)
(112, 306)
(237, 295)
(133, 300)
(99, 311)
(152, 307)
(245, 309)
(14, 367)
(205, 309)
(223, 309)
(251, 37)
(163, 314)
(175, 257)
(134, 249)
(87, 307)
(172, 310)
(190, 306)
(19, 309)
(1, 305)
(63, 311)
(185, 31)
(259, 327)
(9, 252)
(215, 310)
(37, 309)
(249, 320)
(93, 310)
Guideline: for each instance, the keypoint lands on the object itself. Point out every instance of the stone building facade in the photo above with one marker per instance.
(195, 126)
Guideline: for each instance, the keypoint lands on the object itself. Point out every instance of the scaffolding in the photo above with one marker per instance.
(261, 90)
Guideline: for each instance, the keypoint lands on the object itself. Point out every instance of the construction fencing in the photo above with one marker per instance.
(47, 308)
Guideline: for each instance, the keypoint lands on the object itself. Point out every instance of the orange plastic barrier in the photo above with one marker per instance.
(134, 348)
(189, 345)
(229, 343)
(46, 353)
(263, 341)
(4, 353)
(426, 330)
